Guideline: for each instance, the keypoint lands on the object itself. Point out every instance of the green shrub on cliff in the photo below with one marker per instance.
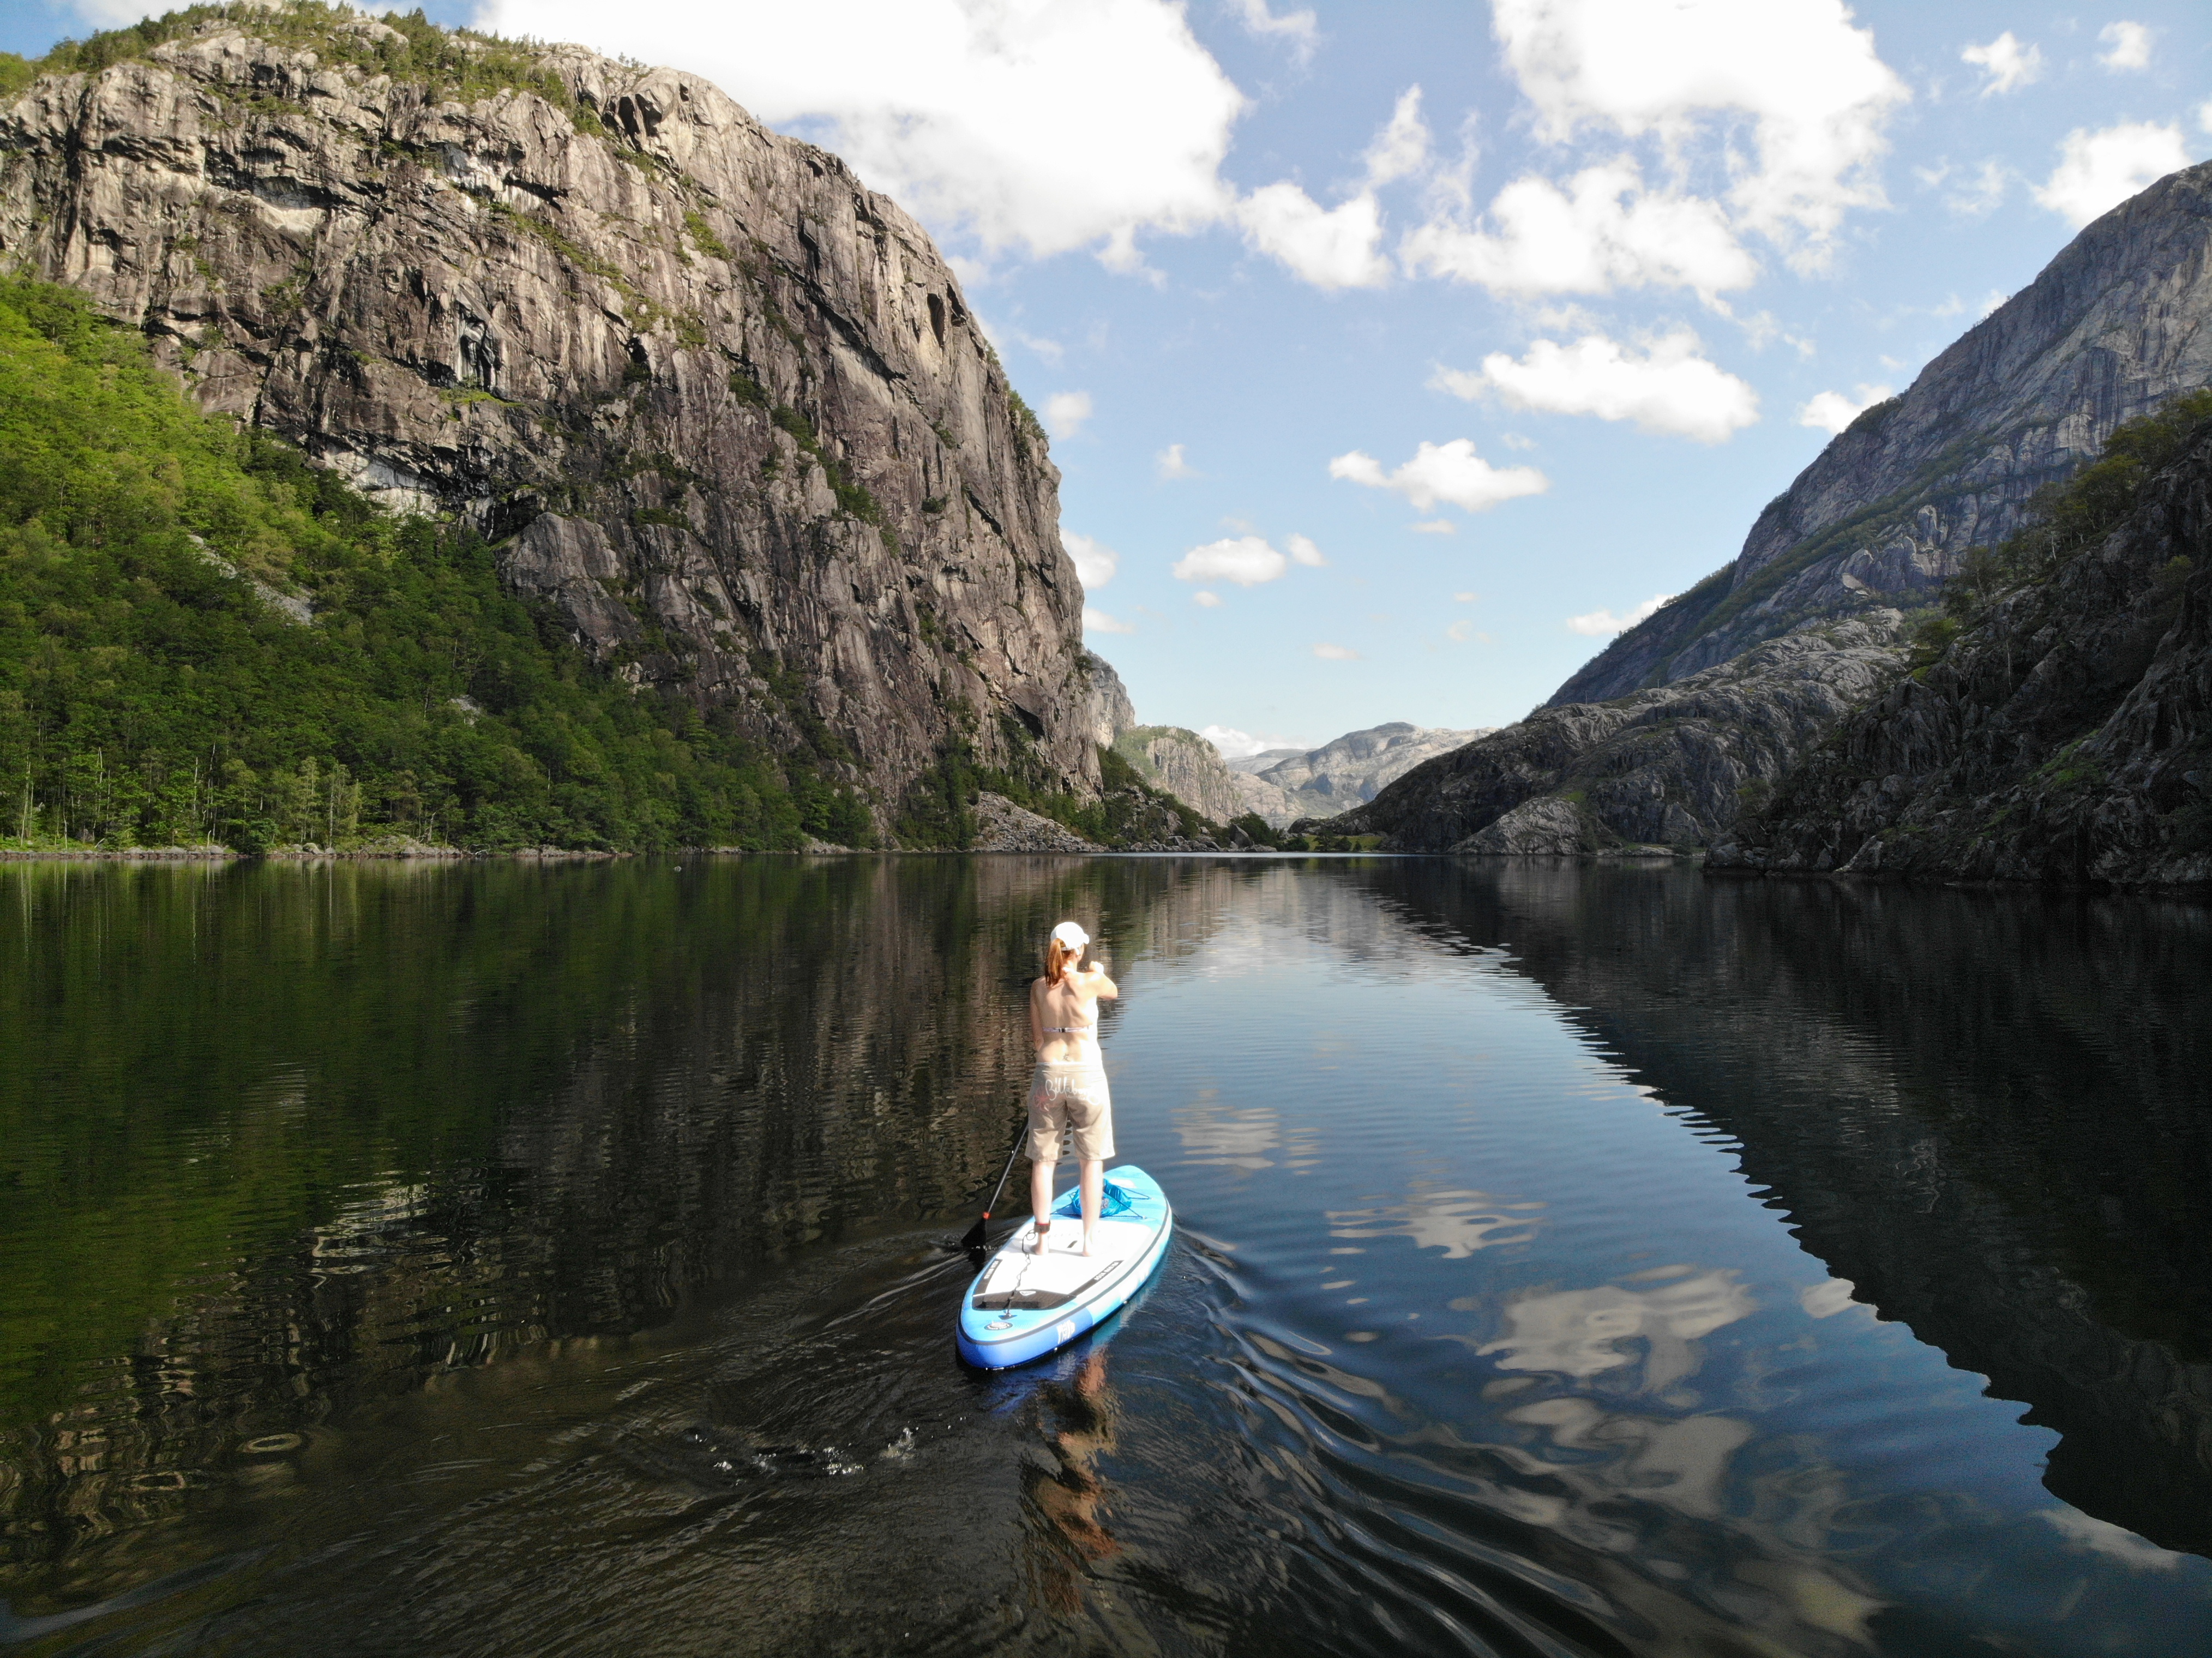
(158, 688)
(2068, 519)
(450, 64)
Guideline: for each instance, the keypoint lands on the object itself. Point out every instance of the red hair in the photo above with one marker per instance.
(1057, 955)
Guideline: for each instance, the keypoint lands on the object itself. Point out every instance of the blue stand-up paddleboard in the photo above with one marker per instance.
(1022, 1305)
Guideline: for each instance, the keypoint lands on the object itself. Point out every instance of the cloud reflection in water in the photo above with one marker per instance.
(1458, 1223)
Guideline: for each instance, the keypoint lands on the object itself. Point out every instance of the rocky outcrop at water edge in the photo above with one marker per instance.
(1002, 826)
(1670, 767)
(2064, 737)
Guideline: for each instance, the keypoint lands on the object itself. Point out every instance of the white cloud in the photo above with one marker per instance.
(1098, 622)
(1670, 388)
(2204, 115)
(1065, 412)
(1434, 527)
(1831, 411)
(1171, 463)
(1245, 560)
(1460, 632)
(1095, 561)
(1303, 551)
(2127, 45)
(1295, 27)
(2007, 64)
(1339, 247)
(1598, 623)
(2098, 171)
(1817, 94)
(1035, 124)
(1402, 145)
(1603, 231)
(1330, 247)
(1983, 193)
(1207, 600)
(1465, 598)
(1444, 472)
(1236, 745)
(1336, 653)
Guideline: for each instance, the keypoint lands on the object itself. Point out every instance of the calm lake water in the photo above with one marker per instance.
(1573, 1259)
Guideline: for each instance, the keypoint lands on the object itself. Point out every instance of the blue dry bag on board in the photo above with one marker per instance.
(1112, 1201)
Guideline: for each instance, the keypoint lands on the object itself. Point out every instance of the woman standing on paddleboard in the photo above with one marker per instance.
(1070, 1111)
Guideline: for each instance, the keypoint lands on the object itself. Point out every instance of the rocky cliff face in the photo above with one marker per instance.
(2066, 735)
(720, 405)
(1185, 765)
(1107, 711)
(2119, 321)
(1671, 767)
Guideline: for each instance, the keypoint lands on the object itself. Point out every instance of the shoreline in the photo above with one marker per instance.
(561, 854)
(2190, 892)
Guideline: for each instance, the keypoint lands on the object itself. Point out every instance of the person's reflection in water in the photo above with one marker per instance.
(1070, 1497)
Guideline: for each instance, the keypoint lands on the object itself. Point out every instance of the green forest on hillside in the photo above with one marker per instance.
(155, 689)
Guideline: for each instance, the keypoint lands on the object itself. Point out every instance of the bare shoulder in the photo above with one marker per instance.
(1098, 984)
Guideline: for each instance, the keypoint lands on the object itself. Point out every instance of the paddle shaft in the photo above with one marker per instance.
(975, 1238)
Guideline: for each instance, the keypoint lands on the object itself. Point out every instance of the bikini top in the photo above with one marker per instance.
(1080, 1032)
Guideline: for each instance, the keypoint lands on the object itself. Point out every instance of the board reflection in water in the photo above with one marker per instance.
(1576, 1258)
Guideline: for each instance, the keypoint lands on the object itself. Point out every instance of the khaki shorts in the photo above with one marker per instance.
(1069, 1102)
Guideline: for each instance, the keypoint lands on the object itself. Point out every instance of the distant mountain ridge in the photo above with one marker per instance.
(1358, 766)
(1280, 785)
(2114, 325)
(1251, 765)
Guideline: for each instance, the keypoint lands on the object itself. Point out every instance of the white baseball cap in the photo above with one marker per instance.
(1071, 935)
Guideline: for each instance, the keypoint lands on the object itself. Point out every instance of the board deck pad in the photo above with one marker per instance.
(1023, 1304)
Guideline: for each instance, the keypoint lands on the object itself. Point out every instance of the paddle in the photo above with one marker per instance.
(974, 1238)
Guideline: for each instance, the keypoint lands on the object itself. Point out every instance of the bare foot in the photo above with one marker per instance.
(1043, 1240)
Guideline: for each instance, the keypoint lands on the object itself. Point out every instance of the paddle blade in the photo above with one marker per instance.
(973, 1239)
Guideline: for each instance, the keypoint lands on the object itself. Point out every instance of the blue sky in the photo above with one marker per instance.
(1376, 404)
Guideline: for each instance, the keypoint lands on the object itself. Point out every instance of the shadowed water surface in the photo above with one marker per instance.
(1573, 1260)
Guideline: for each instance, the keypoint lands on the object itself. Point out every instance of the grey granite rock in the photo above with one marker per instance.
(2065, 738)
(1672, 766)
(1547, 826)
(2118, 322)
(1185, 765)
(1271, 804)
(1002, 826)
(1358, 766)
(1107, 711)
(719, 403)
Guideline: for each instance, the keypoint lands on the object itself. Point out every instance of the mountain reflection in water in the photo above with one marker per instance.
(1572, 1259)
